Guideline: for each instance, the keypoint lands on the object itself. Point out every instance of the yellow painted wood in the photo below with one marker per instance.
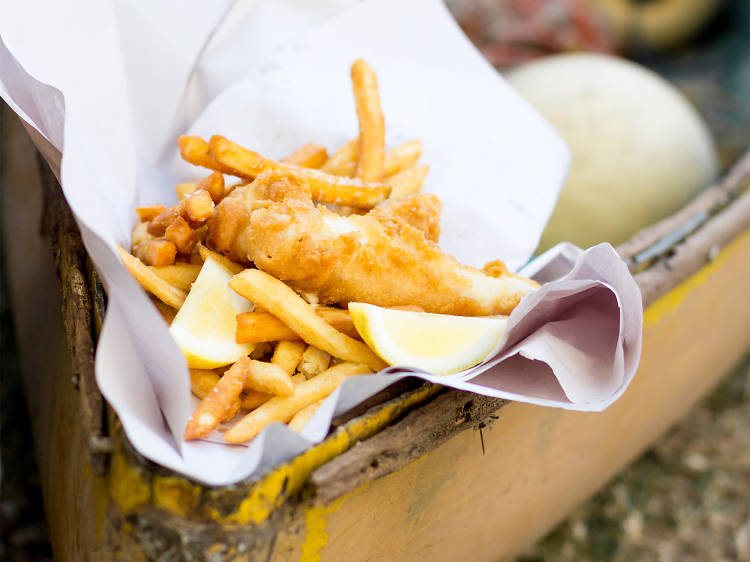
(458, 504)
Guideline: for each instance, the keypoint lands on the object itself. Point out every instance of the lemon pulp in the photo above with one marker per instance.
(205, 326)
(437, 343)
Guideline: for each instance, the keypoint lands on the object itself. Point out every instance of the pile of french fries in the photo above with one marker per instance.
(302, 351)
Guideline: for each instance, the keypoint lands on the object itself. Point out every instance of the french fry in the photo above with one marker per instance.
(287, 355)
(151, 282)
(195, 259)
(233, 410)
(342, 163)
(313, 362)
(301, 418)
(251, 399)
(254, 327)
(219, 402)
(158, 225)
(140, 234)
(298, 378)
(156, 252)
(396, 160)
(181, 235)
(167, 312)
(235, 268)
(214, 185)
(283, 409)
(184, 189)
(195, 151)
(146, 214)
(324, 187)
(202, 383)
(261, 350)
(371, 154)
(407, 181)
(180, 275)
(198, 206)
(276, 297)
(267, 377)
(309, 156)
(402, 157)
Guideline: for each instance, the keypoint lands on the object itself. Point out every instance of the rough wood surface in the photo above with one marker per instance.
(413, 437)
(721, 194)
(74, 273)
(699, 249)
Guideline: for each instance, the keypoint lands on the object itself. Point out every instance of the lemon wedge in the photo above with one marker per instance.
(437, 343)
(205, 326)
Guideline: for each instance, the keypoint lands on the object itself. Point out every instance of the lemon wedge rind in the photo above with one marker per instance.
(205, 326)
(436, 343)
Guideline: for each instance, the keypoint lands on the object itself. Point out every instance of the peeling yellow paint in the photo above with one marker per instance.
(175, 494)
(672, 300)
(127, 485)
(271, 491)
(316, 536)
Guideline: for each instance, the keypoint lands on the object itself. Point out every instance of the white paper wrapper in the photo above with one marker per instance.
(111, 86)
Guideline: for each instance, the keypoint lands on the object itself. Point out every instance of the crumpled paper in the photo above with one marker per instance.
(110, 85)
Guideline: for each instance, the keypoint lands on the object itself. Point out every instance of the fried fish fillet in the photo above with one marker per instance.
(375, 258)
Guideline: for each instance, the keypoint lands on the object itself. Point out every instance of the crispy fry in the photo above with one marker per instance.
(140, 234)
(402, 157)
(167, 312)
(314, 361)
(151, 282)
(290, 308)
(371, 122)
(342, 163)
(396, 160)
(408, 181)
(198, 206)
(309, 156)
(251, 399)
(202, 383)
(219, 402)
(180, 275)
(184, 189)
(287, 355)
(261, 350)
(282, 409)
(182, 236)
(158, 225)
(324, 187)
(195, 151)
(146, 214)
(267, 377)
(214, 185)
(195, 259)
(298, 378)
(301, 418)
(235, 268)
(253, 327)
(156, 252)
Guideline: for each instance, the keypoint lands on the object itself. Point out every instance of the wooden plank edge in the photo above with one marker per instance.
(77, 308)
(722, 193)
(425, 427)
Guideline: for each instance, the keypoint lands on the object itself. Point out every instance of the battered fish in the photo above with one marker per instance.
(375, 258)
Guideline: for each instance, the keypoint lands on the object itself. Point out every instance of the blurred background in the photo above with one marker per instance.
(688, 498)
